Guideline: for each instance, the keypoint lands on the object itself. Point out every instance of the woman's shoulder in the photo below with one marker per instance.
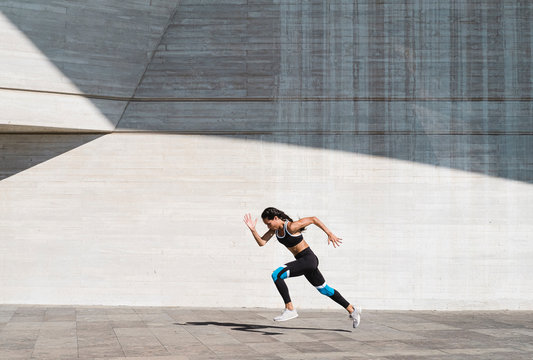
(293, 228)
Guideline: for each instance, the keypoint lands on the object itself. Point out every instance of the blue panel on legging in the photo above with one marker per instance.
(276, 273)
(326, 290)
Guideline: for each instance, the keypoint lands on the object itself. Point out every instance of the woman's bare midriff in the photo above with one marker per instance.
(298, 248)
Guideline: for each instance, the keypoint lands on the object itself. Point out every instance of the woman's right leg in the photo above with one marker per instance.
(294, 268)
(278, 276)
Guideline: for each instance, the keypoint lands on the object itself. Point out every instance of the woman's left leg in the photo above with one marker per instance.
(317, 280)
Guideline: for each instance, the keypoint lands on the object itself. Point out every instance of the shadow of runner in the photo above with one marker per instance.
(255, 328)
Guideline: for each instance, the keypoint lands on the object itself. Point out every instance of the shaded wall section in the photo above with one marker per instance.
(441, 85)
(446, 85)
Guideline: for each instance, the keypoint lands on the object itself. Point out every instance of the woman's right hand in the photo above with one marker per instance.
(249, 222)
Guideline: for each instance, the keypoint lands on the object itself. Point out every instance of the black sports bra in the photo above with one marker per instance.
(288, 239)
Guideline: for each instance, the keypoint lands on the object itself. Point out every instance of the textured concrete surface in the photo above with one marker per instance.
(406, 126)
(440, 84)
(156, 219)
(42, 332)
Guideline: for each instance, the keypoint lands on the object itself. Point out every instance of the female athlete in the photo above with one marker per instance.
(288, 232)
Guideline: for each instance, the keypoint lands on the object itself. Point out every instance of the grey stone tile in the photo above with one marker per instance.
(420, 326)
(312, 347)
(169, 357)
(272, 349)
(467, 320)
(489, 352)
(127, 324)
(139, 333)
(260, 335)
(133, 350)
(384, 333)
(119, 310)
(507, 333)
(22, 326)
(124, 317)
(288, 337)
(18, 317)
(6, 315)
(60, 314)
(232, 349)
(324, 355)
(18, 339)
(173, 336)
(191, 349)
(156, 319)
(56, 351)
(98, 341)
(15, 354)
(328, 335)
(58, 326)
(217, 339)
(187, 333)
(397, 348)
(186, 315)
(352, 347)
(99, 350)
(139, 342)
(91, 314)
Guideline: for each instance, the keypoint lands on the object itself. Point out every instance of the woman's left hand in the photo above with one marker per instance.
(334, 240)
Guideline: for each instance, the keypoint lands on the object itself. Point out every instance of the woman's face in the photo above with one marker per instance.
(273, 224)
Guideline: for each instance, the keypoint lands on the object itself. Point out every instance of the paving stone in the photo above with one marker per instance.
(15, 354)
(190, 349)
(192, 333)
(272, 349)
(314, 346)
(60, 314)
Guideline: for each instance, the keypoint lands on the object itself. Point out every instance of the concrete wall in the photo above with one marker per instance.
(405, 128)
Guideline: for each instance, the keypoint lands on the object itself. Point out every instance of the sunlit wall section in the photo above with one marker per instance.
(148, 219)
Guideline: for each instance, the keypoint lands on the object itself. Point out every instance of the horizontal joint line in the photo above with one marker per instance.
(273, 99)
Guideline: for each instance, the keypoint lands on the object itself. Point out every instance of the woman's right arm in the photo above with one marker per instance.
(261, 240)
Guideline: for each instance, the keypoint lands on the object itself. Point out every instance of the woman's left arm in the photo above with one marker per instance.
(296, 226)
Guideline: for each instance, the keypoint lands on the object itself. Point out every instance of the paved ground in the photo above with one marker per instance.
(40, 332)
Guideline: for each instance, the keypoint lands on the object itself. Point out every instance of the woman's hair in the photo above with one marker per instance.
(270, 212)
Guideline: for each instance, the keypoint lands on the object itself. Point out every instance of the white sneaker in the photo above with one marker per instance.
(356, 316)
(286, 315)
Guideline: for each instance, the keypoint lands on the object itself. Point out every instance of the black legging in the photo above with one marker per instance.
(306, 264)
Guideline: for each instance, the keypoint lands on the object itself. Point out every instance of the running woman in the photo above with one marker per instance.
(288, 232)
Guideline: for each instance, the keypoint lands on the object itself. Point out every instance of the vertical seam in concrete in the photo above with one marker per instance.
(165, 29)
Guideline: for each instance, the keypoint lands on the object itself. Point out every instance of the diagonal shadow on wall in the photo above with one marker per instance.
(407, 82)
(404, 81)
(70, 83)
(20, 152)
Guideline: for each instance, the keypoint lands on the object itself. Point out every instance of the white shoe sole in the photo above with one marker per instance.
(286, 318)
(357, 319)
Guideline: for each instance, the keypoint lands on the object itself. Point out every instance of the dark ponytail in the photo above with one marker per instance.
(270, 212)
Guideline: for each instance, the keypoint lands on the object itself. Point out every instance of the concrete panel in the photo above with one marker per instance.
(146, 219)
